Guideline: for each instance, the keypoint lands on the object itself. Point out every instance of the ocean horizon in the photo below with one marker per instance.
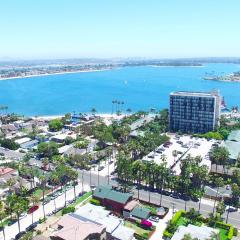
(140, 88)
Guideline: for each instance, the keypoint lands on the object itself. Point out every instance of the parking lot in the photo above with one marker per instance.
(182, 146)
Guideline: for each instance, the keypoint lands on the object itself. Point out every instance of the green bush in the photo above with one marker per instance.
(223, 225)
(95, 202)
(235, 232)
(140, 237)
(167, 234)
(68, 210)
(177, 216)
(230, 233)
(42, 220)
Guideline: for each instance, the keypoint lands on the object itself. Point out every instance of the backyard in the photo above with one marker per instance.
(182, 218)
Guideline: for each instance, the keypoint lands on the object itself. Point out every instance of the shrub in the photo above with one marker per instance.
(95, 202)
(68, 210)
(235, 232)
(223, 225)
(145, 235)
(177, 216)
(146, 224)
(140, 237)
(230, 233)
(42, 220)
(167, 234)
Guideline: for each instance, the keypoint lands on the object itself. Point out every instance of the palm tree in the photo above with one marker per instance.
(174, 154)
(129, 110)
(219, 183)
(20, 206)
(54, 182)
(43, 182)
(10, 183)
(74, 177)
(2, 216)
(137, 171)
(35, 200)
(93, 110)
(162, 169)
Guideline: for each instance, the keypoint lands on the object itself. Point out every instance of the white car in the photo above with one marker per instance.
(231, 209)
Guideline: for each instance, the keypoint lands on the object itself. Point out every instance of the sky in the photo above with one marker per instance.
(119, 28)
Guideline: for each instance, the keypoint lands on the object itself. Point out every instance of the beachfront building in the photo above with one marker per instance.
(194, 112)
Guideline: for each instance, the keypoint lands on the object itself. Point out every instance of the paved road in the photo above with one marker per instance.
(12, 230)
(167, 201)
(206, 207)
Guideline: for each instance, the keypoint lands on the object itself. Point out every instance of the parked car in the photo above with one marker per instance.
(154, 218)
(100, 168)
(31, 227)
(19, 235)
(23, 215)
(231, 209)
(175, 195)
(185, 197)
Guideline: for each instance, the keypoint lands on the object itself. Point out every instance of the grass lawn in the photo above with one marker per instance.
(137, 229)
(78, 201)
(183, 221)
(38, 192)
(81, 199)
(223, 234)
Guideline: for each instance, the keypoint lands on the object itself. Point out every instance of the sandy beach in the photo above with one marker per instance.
(58, 73)
(107, 116)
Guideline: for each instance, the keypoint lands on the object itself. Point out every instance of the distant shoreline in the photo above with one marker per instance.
(58, 73)
(172, 66)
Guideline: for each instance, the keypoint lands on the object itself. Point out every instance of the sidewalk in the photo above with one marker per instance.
(161, 226)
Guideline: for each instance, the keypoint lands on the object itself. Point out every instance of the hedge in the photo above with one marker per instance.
(95, 202)
(226, 227)
(167, 234)
(68, 210)
(230, 233)
(177, 216)
(223, 225)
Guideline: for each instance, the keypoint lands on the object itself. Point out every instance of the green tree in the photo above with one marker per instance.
(55, 125)
(2, 216)
(219, 182)
(43, 182)
(9, 143)
(220, 208)
(34, 200)
(20, 205)
(124, 170)
(47, 149)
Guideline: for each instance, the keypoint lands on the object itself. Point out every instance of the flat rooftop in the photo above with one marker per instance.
(195, 94)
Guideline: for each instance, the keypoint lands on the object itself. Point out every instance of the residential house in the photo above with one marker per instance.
(111, 198)
(114, 226)
(70, 227)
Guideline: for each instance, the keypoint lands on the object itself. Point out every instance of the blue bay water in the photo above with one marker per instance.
(141, 88)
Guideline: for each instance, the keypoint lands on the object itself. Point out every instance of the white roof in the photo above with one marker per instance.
(123, 233)
(64, 135)
(63, 149)
(100, 215)
(200, 233)
(23, 140)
